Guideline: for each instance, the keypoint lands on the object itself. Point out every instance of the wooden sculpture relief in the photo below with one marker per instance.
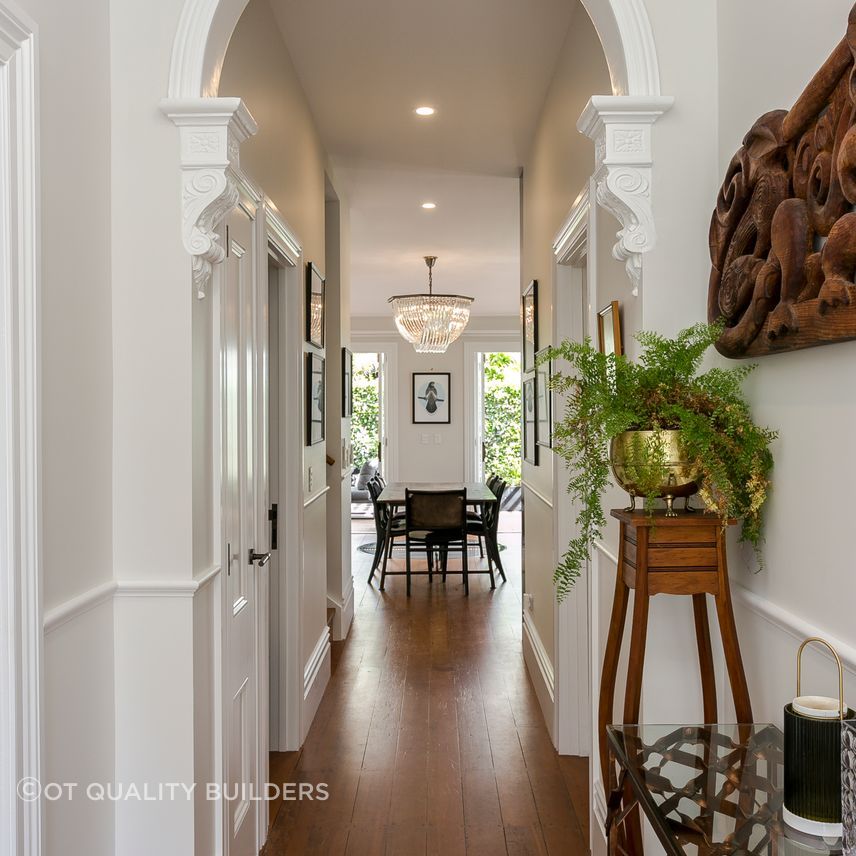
(783, 235)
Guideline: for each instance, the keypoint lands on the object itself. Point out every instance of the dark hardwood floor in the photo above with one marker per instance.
(430, 737)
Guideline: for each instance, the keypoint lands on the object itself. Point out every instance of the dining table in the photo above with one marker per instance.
(393, 496)
(478, 494)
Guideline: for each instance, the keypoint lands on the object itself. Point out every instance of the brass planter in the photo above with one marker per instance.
(681, 479)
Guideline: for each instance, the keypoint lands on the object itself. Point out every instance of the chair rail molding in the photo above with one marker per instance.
(620, 126)
(211, 132)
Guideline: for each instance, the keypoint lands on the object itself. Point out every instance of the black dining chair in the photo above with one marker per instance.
(492, 480)
(435, 520)
(487, 528)
(384, 540)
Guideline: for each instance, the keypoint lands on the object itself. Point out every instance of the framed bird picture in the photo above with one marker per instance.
(431, 398)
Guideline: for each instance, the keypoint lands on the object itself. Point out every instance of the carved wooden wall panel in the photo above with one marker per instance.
(783, 234)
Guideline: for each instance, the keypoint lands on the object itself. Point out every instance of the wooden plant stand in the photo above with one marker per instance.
(683, 555)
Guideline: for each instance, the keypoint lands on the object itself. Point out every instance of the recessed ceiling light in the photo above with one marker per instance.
(424, 111)
(429, 205)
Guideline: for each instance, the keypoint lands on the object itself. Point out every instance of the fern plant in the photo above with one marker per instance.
(608, 394)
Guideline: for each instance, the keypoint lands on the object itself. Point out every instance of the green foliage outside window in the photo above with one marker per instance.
(365, 421)
(502, 416)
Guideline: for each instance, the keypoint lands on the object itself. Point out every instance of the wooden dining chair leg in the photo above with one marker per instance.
(429, 554)
(494, 545)
(407, 563)
(480, 539)
(466, 567)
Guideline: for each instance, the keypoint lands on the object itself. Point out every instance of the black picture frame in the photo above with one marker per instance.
(424, 398)
(544, 400)
(347, 383)
(316, 285)
(316, 381)
(529, 322)
(529, 401)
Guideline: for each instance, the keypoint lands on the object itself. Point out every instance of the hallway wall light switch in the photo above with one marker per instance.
(438, 439)
(423, 439)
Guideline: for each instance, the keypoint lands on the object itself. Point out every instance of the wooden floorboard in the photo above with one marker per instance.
(429, 736)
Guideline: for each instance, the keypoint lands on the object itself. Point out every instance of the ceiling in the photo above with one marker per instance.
(474, 232)
(485, 65)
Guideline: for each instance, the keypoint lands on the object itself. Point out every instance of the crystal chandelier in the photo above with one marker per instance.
(431, 322)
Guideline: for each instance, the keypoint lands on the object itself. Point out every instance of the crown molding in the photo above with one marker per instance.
(620, 126)
(211, 132)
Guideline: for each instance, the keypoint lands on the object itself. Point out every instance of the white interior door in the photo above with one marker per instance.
(239, 531)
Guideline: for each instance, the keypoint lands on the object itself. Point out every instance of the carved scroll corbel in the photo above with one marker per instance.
(625, 193)
(212, 130)
(207, 197)
(620, 126)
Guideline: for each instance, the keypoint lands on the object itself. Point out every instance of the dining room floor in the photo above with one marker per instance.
(430, 738)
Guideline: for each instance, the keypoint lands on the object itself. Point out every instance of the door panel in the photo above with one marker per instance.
(239, 513)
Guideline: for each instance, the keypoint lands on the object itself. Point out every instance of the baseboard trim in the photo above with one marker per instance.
(316, 676)
(793, 625)
(540, 671)
(344, 614)
(316, 661)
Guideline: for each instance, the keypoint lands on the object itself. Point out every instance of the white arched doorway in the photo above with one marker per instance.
(620, 123)
(206, 26)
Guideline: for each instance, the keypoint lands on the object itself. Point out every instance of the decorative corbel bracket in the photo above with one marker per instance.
(212, 130)
(620, 126)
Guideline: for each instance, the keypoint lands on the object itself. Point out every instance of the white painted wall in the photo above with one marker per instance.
(808, 396)
(76, 407)
(555, 171)
(286, 158)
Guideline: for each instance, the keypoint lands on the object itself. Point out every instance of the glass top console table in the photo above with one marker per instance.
(705, 789)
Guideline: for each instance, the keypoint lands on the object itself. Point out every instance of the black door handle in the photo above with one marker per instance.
(261, 558)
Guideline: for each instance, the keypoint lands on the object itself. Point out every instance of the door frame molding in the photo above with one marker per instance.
(281, 242)
(474, 344)
(574, 247)
(21, 822)
(367, 343)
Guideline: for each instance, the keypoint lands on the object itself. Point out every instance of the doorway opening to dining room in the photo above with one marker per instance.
(370, 426)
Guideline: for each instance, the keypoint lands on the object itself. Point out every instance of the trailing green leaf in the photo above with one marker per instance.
(607, 394)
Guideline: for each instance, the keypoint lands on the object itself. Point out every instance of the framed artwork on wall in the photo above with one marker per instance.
(609, 329)
(529, 313)
(530, 421)
(315, 382)
(315, 296)
(544, 400)
(347, 383)
(431, 393)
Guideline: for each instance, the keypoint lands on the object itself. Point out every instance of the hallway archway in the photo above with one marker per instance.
(206, 26)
